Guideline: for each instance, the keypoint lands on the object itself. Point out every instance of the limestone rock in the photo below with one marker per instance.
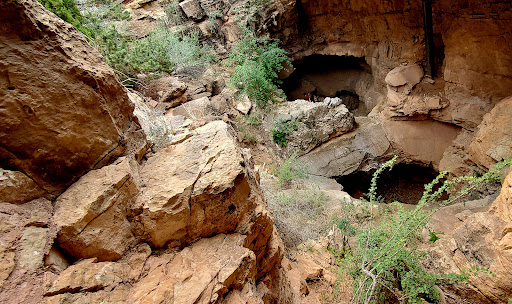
(64, 111)
(197, 188)
(349, 152)
(91, 214)
(87, 275)
(315, 123)
(502, 207)
(17, 188)
(493, 140)
(201, 273)
(409, 75)
(192, 9)
(244, 105)
(33, 243)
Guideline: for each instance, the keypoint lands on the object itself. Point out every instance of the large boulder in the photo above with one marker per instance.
(63, 111)
(309, 124)
(198, 188)
(358, 150)
(91, 215)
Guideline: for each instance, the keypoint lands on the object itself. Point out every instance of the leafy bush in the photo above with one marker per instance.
(281, 130)
(67, 11)
(386, 259)
(257, 61)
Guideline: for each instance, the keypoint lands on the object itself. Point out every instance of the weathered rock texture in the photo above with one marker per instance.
(63, 111)
(482, 240)
(309, 124)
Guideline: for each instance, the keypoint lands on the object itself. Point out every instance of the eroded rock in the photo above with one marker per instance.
(493, 140)
(18, 188)
(91, 214)
(64, 111)
(195, 189)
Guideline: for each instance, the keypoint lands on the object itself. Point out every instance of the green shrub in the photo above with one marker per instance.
(257, 60)
(290, 169)
(386, 259)
(67, 11)
(281, 130)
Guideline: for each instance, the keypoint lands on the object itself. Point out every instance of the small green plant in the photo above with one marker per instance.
(509, 301)
(282, 129)
(386, 260)
(290, 169)
(257, 60)
(173, 13)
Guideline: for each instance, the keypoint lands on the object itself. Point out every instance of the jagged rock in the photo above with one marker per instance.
(493, 140)
(56, 261)
(192, 9)
(196, 109)
(88, 275)
(64, 111)
(409, 75)
(91, 214)
(349, 152)
(315, 124)
(244, 105)
(483, 240)
(195, 189)
(201, 273)
(137, 3)
(18, 188)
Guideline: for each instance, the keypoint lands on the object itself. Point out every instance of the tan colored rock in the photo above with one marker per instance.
(482, 240)
(349, 152)
(17, 188)
(244, 105)
(117, 296)
(192, 9)
(63, 111)
(6, 264)
(424, 141)
(493, 140)
(197, 188)
(56, 261)
(137, 3)
(91, 214)
(409, 75)
(195, 109)
(33, 243)
(88, 275)
(315, 124)
(201, 273)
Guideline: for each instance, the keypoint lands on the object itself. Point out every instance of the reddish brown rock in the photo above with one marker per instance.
(63, 111)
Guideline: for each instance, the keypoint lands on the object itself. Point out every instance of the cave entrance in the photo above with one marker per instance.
(318, 76)
(405, 183)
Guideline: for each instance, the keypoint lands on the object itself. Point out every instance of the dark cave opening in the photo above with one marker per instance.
(318, 76)
(404, 183)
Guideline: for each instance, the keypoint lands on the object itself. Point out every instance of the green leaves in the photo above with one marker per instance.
(282, 129)
(257, 61)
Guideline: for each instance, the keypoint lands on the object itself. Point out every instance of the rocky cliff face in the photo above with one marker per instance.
(188, 224)
(63, 111)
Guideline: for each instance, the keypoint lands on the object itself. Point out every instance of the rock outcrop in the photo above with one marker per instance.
(481, 240)
(307, 125)
(63, 111)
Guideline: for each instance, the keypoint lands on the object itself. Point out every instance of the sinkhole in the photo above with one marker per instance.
(404, 183)
(318, 76)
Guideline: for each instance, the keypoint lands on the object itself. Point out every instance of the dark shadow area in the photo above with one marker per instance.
(405, 183)
(318, 76)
